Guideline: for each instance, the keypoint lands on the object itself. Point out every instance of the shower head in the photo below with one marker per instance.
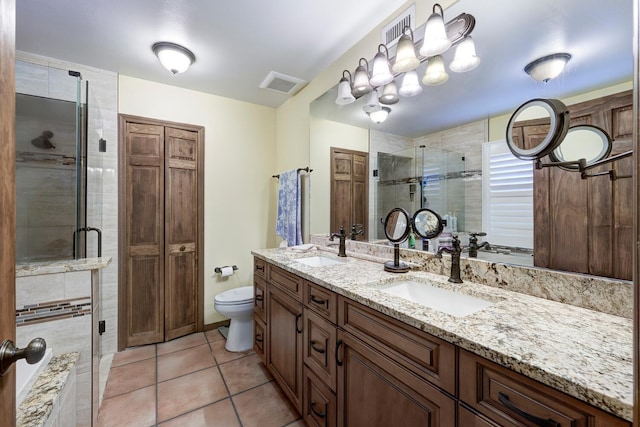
(43, 141)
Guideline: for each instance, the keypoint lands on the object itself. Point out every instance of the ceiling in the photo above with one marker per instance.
(508, 35)
(236, 43)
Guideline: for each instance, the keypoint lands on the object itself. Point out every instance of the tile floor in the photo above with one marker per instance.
(192, 381)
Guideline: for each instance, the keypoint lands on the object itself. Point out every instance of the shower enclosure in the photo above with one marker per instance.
(57, 157)
(416, 178)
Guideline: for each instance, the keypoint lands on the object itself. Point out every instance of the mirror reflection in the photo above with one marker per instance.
(396, 226)
(445, 149)
(427, 223)
(583, 142)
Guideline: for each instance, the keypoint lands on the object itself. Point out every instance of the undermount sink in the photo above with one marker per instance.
(450, 302)
(318, 261)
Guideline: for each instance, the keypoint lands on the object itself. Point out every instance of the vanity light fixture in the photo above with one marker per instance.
(380, 116)
(548, 67)
(344, 90)
(173, 57)
(361, 85)
(406, 59)
(465, 58)
(410, 85)
(435, 73)
(381, 72)
(372, 103)
(435, 41)
(389, 94)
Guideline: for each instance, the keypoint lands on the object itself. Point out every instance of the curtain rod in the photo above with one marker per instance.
(299, 170)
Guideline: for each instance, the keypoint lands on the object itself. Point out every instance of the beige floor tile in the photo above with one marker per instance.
(223, 356)
(129, 377)
(135, 409)
(242, 374)
(298, 423)
(188, 392)
(134, 354)
(182, 362)
(264, 406)
(177, 344)
(217, 414)
(214, 335)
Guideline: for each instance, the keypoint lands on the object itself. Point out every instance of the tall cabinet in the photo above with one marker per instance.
(161, 219)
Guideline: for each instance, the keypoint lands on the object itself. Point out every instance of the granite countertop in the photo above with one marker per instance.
(38, 405)
(61, 266)
(584, 353)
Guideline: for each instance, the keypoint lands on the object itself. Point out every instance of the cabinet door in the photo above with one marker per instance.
(284, 329)
(319, 402)
(374, 390)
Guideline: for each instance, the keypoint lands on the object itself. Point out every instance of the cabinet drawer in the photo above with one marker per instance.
(286, 281)
(511, 399)
(429, 357)
(319, 408)
(259, 268)
(259, 298)
(321, 300)
(260, 338)
(469, 418)
(319, 347)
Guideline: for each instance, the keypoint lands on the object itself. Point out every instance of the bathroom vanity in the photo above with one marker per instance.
(347, 352)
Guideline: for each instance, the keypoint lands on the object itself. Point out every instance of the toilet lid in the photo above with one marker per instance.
(235, 296)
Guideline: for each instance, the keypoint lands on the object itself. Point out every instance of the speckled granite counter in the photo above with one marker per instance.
(63, 266)
(45, 394)
(584, 353)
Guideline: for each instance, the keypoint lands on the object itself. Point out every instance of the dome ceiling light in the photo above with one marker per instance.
(174, 57)
(548, 67)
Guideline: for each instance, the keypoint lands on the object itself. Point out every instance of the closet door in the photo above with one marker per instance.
(181, 220)
(144, 233)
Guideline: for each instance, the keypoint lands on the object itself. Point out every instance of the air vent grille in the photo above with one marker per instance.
(391, 33)
(281, 83)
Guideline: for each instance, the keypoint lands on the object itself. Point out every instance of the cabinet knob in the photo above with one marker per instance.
(182, 248)
(9, 353)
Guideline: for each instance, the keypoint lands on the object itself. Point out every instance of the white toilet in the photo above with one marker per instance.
(237, 305)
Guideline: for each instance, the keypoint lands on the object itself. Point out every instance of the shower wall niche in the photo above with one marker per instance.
(52, 170)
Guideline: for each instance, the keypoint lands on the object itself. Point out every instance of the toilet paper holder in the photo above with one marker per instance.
(219, 269)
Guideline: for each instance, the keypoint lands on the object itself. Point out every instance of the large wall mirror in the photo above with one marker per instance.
(433, 150)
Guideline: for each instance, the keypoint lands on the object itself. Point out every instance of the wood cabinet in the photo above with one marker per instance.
(599, 240)
(344, 364)
(284, 332)
(511, 399)
(161, 214)
(349, 190)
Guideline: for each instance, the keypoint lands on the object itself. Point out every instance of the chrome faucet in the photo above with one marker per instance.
(473, 244)
(355, 231)
(342, 235)
(454, 276)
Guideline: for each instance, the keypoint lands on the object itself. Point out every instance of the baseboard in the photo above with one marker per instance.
(216, 325)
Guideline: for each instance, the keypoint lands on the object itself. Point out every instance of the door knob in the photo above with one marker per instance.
(33, 353)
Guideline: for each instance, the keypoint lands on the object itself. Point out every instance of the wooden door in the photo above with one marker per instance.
(144, 233)
(285, 343)
(349, 190)
(162, 281)
(181, 232)
(7, 204)
(375, 391)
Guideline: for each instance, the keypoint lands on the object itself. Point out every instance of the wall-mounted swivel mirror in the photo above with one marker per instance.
(397, 225)
(582, 142)
(427, 223)
(537, 128)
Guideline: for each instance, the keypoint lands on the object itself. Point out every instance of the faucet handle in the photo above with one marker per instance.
(477, 233)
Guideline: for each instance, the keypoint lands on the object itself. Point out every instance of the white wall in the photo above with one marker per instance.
(239, 161)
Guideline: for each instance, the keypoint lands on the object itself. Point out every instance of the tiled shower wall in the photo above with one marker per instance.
(47, 77)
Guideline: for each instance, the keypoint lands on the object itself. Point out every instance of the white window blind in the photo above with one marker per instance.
(507, 202)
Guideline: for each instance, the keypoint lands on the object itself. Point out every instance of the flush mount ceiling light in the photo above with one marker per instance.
(548, 67)
(380, 116)
(173, 57)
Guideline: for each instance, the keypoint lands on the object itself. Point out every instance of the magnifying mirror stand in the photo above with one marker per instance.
(396, 266)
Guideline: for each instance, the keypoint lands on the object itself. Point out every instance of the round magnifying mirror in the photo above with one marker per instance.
(427, 223)
(536, 128)
(582, 142)
(396, 225)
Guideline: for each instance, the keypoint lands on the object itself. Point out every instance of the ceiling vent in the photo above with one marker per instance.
(391, 32)
(281, 83)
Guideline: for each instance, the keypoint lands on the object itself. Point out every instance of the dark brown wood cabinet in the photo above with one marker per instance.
(161, 213)
(585, 225)
(284, 350)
